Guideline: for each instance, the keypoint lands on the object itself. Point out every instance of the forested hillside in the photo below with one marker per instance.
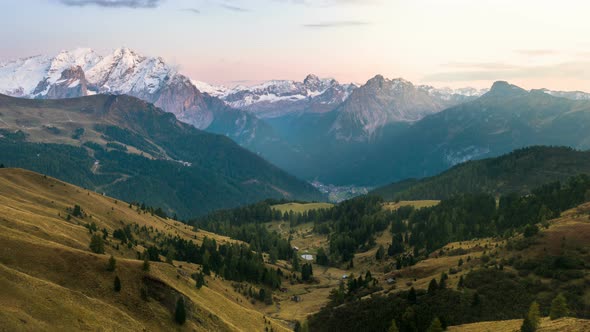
(519, 171)
(132, 150)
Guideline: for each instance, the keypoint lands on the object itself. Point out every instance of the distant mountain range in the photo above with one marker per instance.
(319, 129)
(502, 120)
(83, 72)
(132, 150)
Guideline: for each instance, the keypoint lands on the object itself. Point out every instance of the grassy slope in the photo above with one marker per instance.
(558, 325)
(300, 208)
(53, 281)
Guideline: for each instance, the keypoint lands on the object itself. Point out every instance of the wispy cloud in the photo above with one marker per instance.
(336, 24)
(114, 3)
(233, 8)
(191, 10)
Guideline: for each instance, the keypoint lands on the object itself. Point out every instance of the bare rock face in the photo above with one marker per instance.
(180, 97)
(71, 84)
(380, 102)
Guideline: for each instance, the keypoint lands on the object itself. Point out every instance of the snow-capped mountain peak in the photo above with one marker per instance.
(212, 90)
(281, 97)
(82, 71)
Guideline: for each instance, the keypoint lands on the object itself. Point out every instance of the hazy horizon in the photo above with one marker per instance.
(458, 43)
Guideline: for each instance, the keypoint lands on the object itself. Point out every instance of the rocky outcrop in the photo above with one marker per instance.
(71, 84)
(180, 97)
(381, 102)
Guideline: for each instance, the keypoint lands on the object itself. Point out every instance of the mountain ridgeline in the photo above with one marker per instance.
(504, 119)
(320, 129)
(130, 149)
(390, 130)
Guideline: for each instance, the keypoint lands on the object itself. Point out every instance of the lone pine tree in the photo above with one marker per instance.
(146, 262)
(180, 312)
(97, 244)
(200, 280)
(435, 326)
(117, 284)
(532, 319)
(112, 264)
(559, 307)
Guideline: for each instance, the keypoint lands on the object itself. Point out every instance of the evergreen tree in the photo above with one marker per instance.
(559, 307)
(117, 284)
(200, 280)
(408, 322)
(527, 326)
(273, 255)
(435, 326)
(531, 230)
(77, 212)
(268, 297)
(443, 281)
(532, 319)
(393, 327)
(460, 283)
(170, 257)
(380, 253)
(306, 272)
(432, 287)
(321, 257)
(412, 296)
(295, 262)
(97, 244)
(180, 313)
(146, 262)
(112, 264)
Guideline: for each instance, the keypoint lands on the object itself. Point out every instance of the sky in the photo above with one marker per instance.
(455, 43)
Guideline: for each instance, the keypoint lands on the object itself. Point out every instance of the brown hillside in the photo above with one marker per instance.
(51, 280)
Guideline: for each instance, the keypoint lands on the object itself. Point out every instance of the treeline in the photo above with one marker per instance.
(471, 216)
(486, 295)
(151, 210)
(231, 261)
(247, 224)
(352, 225)
(263, 212)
